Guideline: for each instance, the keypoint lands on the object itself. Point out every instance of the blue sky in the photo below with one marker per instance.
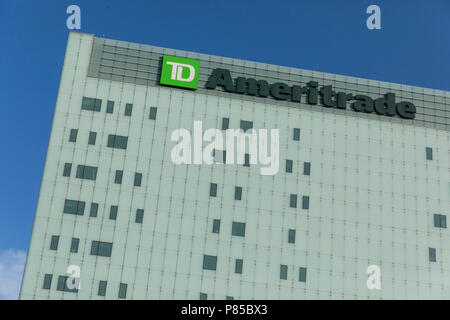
(412, 47)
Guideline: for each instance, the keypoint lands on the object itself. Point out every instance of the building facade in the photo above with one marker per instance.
(360, 198)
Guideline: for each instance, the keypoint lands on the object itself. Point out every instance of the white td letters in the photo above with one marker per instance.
(177, 71)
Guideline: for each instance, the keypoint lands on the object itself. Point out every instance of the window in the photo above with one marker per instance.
(432, 254)
(246, 125)
(118, 177)
(216, 226)
(237, 193)
(293, 201)
(47, 281)
(119, 142)
(128, 109)
(291, 236)
(73, 135)
(219, 156)
(54, 243)
(123, 291)
(307, 168)
(92, 137)
(302, 274)
(305, 202)
(203, 296)
(429, 152)
(99, 248)
(238, 229)
(238, 266)
(137, 179)
(229, 298)
(213, 190)
(74, 207)
(247, 160)
(296, 136)
(74, 245)
(440, 221)
(225, 123)
(289, 166)
(113, 213)
(152, 115)
(102, 288)
(283, 272)
(209, 262)
(86, 172)
(110, 107)
(139, 215)
(94, 210)
(62, 284)
(67, 169)
(91, 104)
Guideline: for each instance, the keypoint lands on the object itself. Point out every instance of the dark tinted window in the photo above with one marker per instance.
(91, 104)
(216, 226)
(152, 115)
(94, 210)
(128, 109)
(213, 190)
(67, 169)
(92, 137)
(99, 248)
(47, 281)
(119, 142)
(237, 193)
(283, 272)
(296, 136)
(139, 215)
(86, 172)
(238, 229)
(54, 243)
(74, 207)
(102, 288)
(209, 262)
(74, 245)
(225, 123)
(293, 201)
(307, 168)
(113, 213)
(73, 135)
(110, 107)
(289, 166)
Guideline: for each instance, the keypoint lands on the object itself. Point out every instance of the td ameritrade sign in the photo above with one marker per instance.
(181, 72)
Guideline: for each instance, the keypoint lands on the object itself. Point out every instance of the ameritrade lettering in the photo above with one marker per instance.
(324, 95)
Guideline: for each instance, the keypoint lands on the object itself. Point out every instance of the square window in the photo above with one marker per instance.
(203, 296)
(152, 115)
(209, 262)
(440, 221)
(293, 201)
(67, 169)
(246, 125)
(113, 213)
(289, 166)
(238, 229)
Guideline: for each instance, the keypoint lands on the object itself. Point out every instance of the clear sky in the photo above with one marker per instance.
(412, 47)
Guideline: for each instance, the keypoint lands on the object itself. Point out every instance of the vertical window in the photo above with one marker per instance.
(47, 281)
(67, 169)
(123, 291)
(73, 135)
(440, 221)
(291, 236)
(92, 137)
(213, 190)
(152, 115)
(110, 107)
(137, 179)
(432, 254)
(209, 262)
(302, 274)
(296, 136)
(307, 168)
(102, 288)
(118, 177)
(203, 296)
(289, 166)
(238, 266)
(305, 202)
(293, 201)
(128, 109)
(113, 213)
(94, 210)
(247, 160)
(283, 271)
(139, 215)
(225, 123)
(246, 125)
(238, 229)
(429, 152)
(74, 245)
(216, 226)
(54, 243)
(237, 193)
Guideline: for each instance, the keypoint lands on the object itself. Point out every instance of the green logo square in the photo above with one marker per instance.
(180, 72)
